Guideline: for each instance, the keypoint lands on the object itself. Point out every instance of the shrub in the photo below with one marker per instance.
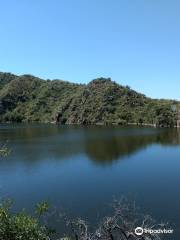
(20, 226)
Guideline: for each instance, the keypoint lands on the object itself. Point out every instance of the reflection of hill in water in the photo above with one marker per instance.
(105, 151)
(102, 145)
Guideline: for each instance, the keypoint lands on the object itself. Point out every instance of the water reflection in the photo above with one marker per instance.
(61, 165)
(105, 151)
(102, 145)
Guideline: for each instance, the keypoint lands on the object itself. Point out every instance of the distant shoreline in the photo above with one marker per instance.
(92, 124)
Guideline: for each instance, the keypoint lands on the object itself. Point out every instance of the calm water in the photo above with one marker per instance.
(82, 168)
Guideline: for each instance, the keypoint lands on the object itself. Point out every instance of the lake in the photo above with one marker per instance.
(81, 169)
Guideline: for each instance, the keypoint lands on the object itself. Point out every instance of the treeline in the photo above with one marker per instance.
(29, 99)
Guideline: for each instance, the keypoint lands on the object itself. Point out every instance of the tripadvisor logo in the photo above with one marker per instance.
(140, 231)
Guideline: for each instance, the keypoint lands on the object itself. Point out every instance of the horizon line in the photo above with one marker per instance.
(78, 83)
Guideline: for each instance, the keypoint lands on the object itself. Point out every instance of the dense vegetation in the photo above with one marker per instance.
(27, 99)
(120, 225)
(21, 225)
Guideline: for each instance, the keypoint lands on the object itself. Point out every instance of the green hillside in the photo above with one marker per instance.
(27, 99)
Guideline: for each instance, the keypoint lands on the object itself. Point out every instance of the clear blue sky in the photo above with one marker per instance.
(135, 42)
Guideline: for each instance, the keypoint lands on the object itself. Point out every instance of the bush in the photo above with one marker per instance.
(20, 226)
(165, 117)
(4, 150)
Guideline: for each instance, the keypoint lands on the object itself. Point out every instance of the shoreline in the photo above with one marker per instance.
(92, 124)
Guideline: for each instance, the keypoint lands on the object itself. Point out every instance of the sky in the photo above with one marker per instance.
(135, 42)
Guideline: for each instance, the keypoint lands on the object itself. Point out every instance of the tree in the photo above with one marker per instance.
(165, 116)
(120, 225)
(20, 226)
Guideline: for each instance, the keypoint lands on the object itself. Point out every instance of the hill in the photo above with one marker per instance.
(30, 99)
